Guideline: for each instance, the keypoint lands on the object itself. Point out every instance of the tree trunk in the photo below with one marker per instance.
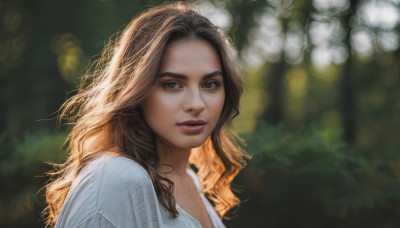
(347, 86)
(273, 113)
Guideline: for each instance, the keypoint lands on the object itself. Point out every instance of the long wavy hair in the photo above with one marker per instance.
(105, 115)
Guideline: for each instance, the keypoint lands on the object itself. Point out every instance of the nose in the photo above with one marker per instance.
(194, 102)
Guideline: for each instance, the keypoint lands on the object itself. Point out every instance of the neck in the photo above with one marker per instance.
(176, 158)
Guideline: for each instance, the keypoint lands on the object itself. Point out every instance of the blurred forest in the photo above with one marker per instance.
(320, 114)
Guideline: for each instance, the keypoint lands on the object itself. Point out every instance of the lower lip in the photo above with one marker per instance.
(192, 129)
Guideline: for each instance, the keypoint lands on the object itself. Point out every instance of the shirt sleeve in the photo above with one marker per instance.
(97, 220)
(112, 192)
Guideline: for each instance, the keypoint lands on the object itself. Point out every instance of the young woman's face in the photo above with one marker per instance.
(187, 101)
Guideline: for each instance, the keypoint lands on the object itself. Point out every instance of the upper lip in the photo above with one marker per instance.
(192, 122)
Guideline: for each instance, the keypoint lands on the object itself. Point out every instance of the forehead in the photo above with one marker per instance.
(190, 55)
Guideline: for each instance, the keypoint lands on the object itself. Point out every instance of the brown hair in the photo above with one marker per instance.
(106, 117)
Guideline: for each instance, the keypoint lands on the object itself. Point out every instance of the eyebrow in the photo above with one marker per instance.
(182, 76)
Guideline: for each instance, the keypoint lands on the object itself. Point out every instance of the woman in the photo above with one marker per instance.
(159, 100)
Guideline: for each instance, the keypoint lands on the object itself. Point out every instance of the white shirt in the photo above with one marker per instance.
(118, 192)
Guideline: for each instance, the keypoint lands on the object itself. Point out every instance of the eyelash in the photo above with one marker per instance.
(167, 85)
(216, 83)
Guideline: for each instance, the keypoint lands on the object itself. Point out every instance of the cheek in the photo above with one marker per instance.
(158, 108)
(217, 105)
(222, 100)
(221, 105)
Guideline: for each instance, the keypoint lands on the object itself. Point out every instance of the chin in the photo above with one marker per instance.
(193, 143)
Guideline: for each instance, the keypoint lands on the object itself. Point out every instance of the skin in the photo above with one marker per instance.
(190, 87)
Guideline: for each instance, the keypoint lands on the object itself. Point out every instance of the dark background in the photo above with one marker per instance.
(320, 114)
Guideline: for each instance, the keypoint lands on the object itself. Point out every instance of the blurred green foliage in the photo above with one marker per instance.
(310, 178)
(22, 169)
